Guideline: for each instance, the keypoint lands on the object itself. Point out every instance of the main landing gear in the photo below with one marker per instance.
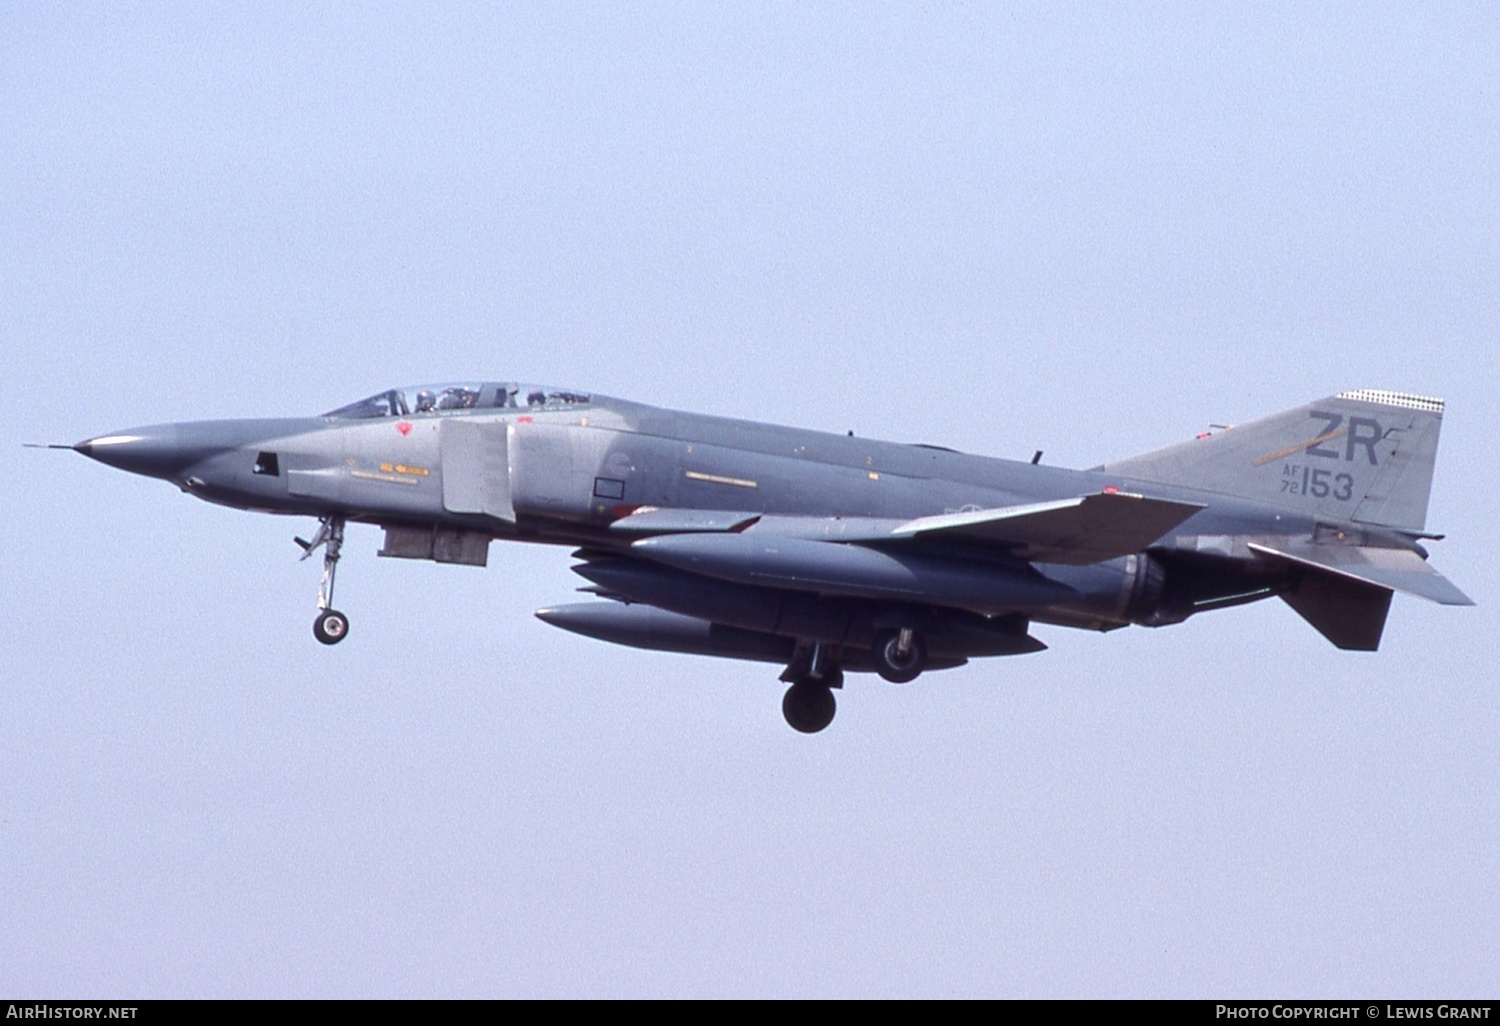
(331, 626)
(808, 704)
(899, 655)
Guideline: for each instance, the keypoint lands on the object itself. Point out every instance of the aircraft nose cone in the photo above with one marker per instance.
(153, 451)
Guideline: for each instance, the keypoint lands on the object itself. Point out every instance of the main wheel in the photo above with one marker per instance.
(808, 707)
(895, 663)
(330, 627)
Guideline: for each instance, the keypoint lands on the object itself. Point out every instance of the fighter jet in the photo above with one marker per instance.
(829, 554)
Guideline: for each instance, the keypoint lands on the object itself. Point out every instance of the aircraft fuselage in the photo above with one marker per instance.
(830, 551)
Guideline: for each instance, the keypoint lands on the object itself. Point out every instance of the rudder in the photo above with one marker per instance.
(1364, 455)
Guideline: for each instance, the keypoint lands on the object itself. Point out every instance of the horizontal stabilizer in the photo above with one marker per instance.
(1076, 532)
(1394, 569)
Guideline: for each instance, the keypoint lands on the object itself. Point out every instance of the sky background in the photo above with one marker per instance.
(1091, 229)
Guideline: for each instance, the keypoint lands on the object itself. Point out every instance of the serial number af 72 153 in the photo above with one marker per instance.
(1319, 483)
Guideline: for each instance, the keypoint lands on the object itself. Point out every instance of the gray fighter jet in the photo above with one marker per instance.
(826, 553)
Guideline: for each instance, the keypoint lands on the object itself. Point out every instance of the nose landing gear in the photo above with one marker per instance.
(331, 626)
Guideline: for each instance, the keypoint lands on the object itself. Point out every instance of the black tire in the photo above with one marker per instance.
(808, 707)
(892, 665)
(331, 627)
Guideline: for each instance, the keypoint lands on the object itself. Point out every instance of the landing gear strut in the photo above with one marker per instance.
(331, 626)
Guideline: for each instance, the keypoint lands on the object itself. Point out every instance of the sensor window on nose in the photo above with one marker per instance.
(266, 463)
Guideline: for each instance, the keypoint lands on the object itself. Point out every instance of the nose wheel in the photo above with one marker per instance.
(331, 626)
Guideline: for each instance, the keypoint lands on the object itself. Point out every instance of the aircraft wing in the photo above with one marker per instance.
(1079, 531)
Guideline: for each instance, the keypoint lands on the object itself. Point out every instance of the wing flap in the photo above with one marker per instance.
(1393, 569)
(1079, 531)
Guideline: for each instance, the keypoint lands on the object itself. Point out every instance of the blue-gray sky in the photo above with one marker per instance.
(1091, 229)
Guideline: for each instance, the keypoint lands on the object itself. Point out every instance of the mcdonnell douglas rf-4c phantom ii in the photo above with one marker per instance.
(829, 553)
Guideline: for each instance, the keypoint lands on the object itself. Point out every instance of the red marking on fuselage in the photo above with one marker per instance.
(523, 420)
(404, 427)
(1111, 489)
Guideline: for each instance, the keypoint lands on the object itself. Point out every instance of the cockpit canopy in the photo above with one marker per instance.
(422, 400)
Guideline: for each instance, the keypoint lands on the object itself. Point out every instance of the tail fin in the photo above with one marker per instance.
(1365, 455)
